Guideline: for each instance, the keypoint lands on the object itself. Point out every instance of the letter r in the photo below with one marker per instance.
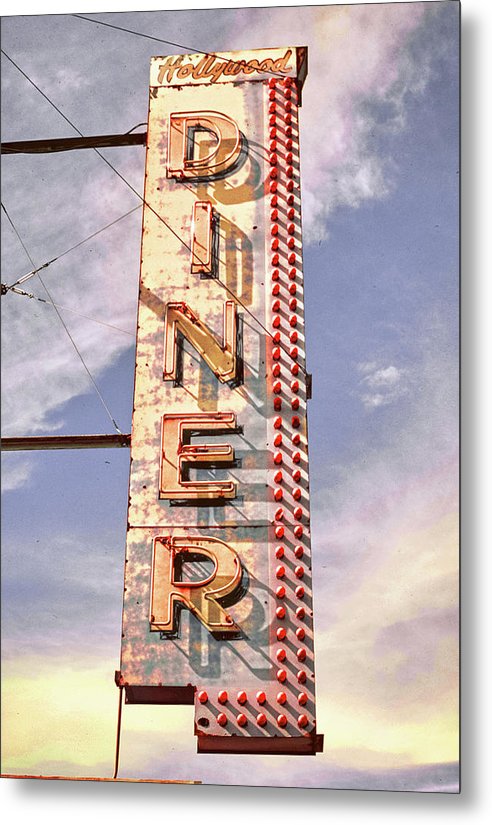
(169, 593)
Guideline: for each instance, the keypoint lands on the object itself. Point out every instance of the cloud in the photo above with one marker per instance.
(383, 377)
(385, 384)
(74, 736)
(385, 530)
(361, 75)
(15, 472)
(385, 534)
(358, 57)
(40, 367)
(70, 79)
(68, 589)
(398, 625)
(385, 597)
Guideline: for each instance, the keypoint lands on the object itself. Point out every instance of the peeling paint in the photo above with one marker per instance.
(267, 667)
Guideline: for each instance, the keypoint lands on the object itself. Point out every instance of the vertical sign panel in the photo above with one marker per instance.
(218, 590)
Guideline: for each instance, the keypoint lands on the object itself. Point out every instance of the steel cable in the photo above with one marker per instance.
(98, 391)
(148, 205)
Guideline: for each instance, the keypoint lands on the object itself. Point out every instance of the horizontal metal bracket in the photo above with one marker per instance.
(29, 147)
(65, 442)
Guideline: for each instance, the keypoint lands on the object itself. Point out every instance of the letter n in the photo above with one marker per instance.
(223, 359)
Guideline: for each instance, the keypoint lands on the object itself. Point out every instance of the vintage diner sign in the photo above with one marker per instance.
(218, 591)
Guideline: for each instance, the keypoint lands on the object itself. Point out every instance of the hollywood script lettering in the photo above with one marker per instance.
(212, 68)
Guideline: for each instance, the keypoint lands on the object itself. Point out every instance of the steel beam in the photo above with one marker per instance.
(102, 779)
(65, 442)
(67, 144)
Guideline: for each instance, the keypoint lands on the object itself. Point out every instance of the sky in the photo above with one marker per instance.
(379, 161)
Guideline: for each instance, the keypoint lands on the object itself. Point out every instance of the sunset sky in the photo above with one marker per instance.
(379, 155)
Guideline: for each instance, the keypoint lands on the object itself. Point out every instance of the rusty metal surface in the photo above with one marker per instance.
(166, 276)
(267, 670)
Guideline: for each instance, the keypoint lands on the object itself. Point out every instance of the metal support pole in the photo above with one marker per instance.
(65, 442)
(118, 734)
(30, 147)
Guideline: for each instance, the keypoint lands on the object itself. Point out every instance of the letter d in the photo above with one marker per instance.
(182, 162)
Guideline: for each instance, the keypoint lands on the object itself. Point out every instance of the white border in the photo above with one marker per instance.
(75, 802)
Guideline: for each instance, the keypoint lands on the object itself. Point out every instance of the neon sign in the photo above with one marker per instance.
(218, 591)
(212, 68)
